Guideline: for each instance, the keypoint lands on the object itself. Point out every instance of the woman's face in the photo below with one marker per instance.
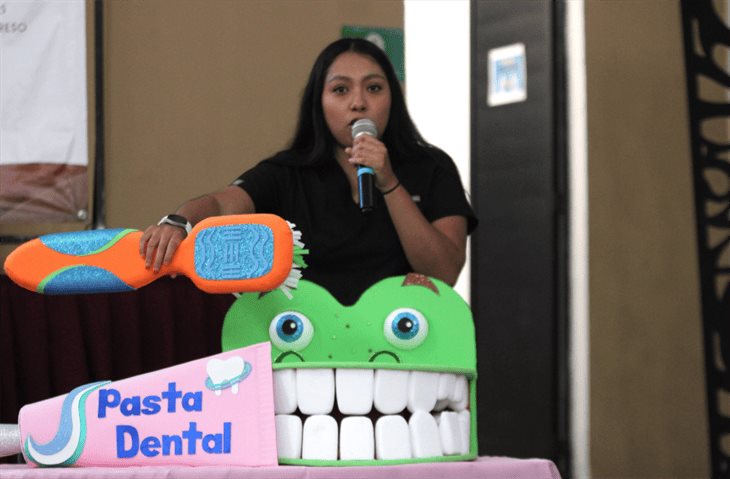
(355, 87)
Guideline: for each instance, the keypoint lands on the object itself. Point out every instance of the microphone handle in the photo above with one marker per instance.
(365, 186)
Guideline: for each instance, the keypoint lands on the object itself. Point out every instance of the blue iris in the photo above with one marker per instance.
(405, 326)
(289, 328)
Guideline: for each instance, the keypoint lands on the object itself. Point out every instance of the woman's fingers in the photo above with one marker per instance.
(160, 254)
(151, 248)
(158, 245)
(144, 239)
(369, 151)
(172, 245)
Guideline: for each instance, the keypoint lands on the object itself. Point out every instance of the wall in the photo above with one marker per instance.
(434, 61)
(198, 91)
(648, 416)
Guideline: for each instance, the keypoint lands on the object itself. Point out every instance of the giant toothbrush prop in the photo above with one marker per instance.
(390, 379)
(223, 254)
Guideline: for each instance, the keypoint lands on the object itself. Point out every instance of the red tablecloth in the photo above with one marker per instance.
(482, 468)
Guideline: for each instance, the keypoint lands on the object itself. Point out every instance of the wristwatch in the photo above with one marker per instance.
(176, 220)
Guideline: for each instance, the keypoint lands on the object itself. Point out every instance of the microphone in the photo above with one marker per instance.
(365, 175)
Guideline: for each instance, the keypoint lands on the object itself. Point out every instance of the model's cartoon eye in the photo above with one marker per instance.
(405, 328)
(291, 331)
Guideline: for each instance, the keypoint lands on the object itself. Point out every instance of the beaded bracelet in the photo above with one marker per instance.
(391, 190)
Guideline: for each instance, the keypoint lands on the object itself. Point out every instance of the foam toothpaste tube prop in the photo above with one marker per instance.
(222, 254)
(217, 410)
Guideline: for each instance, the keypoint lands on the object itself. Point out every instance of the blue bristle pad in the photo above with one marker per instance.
(85, 279)
(232, 252)
(79, 243)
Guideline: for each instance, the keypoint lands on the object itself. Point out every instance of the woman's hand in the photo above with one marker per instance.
(368, 151)
(159, 243)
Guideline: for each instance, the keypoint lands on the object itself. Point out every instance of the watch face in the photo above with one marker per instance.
(177, 219)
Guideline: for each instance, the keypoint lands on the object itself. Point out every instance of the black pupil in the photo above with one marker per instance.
(405, 325)
(289, 327)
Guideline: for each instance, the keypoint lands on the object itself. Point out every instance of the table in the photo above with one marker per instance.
(488, 467)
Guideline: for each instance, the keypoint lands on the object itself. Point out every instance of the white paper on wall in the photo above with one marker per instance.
(43, 111)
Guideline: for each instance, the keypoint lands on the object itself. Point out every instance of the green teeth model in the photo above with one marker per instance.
(405, 323)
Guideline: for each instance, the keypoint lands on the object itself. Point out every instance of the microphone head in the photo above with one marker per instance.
(364, 127)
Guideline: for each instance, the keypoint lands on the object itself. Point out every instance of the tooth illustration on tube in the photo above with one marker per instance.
(405, 349)
(226, 374)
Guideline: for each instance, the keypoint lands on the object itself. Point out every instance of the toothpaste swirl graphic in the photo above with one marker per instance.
(68, 443)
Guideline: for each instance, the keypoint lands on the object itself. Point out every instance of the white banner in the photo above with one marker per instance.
(43, 107)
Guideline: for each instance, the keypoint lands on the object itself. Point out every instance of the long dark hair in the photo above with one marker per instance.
(313, 142)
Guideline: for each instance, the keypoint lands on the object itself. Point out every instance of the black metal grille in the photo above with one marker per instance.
(707, 60)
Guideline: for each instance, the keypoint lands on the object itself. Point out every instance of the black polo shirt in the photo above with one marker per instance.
(350, 251)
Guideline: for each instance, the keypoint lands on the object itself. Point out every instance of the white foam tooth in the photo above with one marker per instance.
(315, 391)
(354, 390)
(422, 391)
(392, 438)
(450, 433)
(390, 390)
(459, 399)
(441, 404)
(457, 393)
(285, 391)
(425, 436)
(319, 438)
(465, 429)
(446, 385)
(356, 439)
(288, 436)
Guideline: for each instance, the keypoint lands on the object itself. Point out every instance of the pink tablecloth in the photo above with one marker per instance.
(482, 468)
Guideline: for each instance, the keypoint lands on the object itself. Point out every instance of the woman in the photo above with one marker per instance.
(420, 218)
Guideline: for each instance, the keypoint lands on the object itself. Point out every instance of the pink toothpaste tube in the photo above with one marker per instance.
(213, 411)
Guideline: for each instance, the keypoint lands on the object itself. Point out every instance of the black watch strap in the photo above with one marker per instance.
(176, 220)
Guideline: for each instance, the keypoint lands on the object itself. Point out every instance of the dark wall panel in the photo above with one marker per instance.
(517, 260)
